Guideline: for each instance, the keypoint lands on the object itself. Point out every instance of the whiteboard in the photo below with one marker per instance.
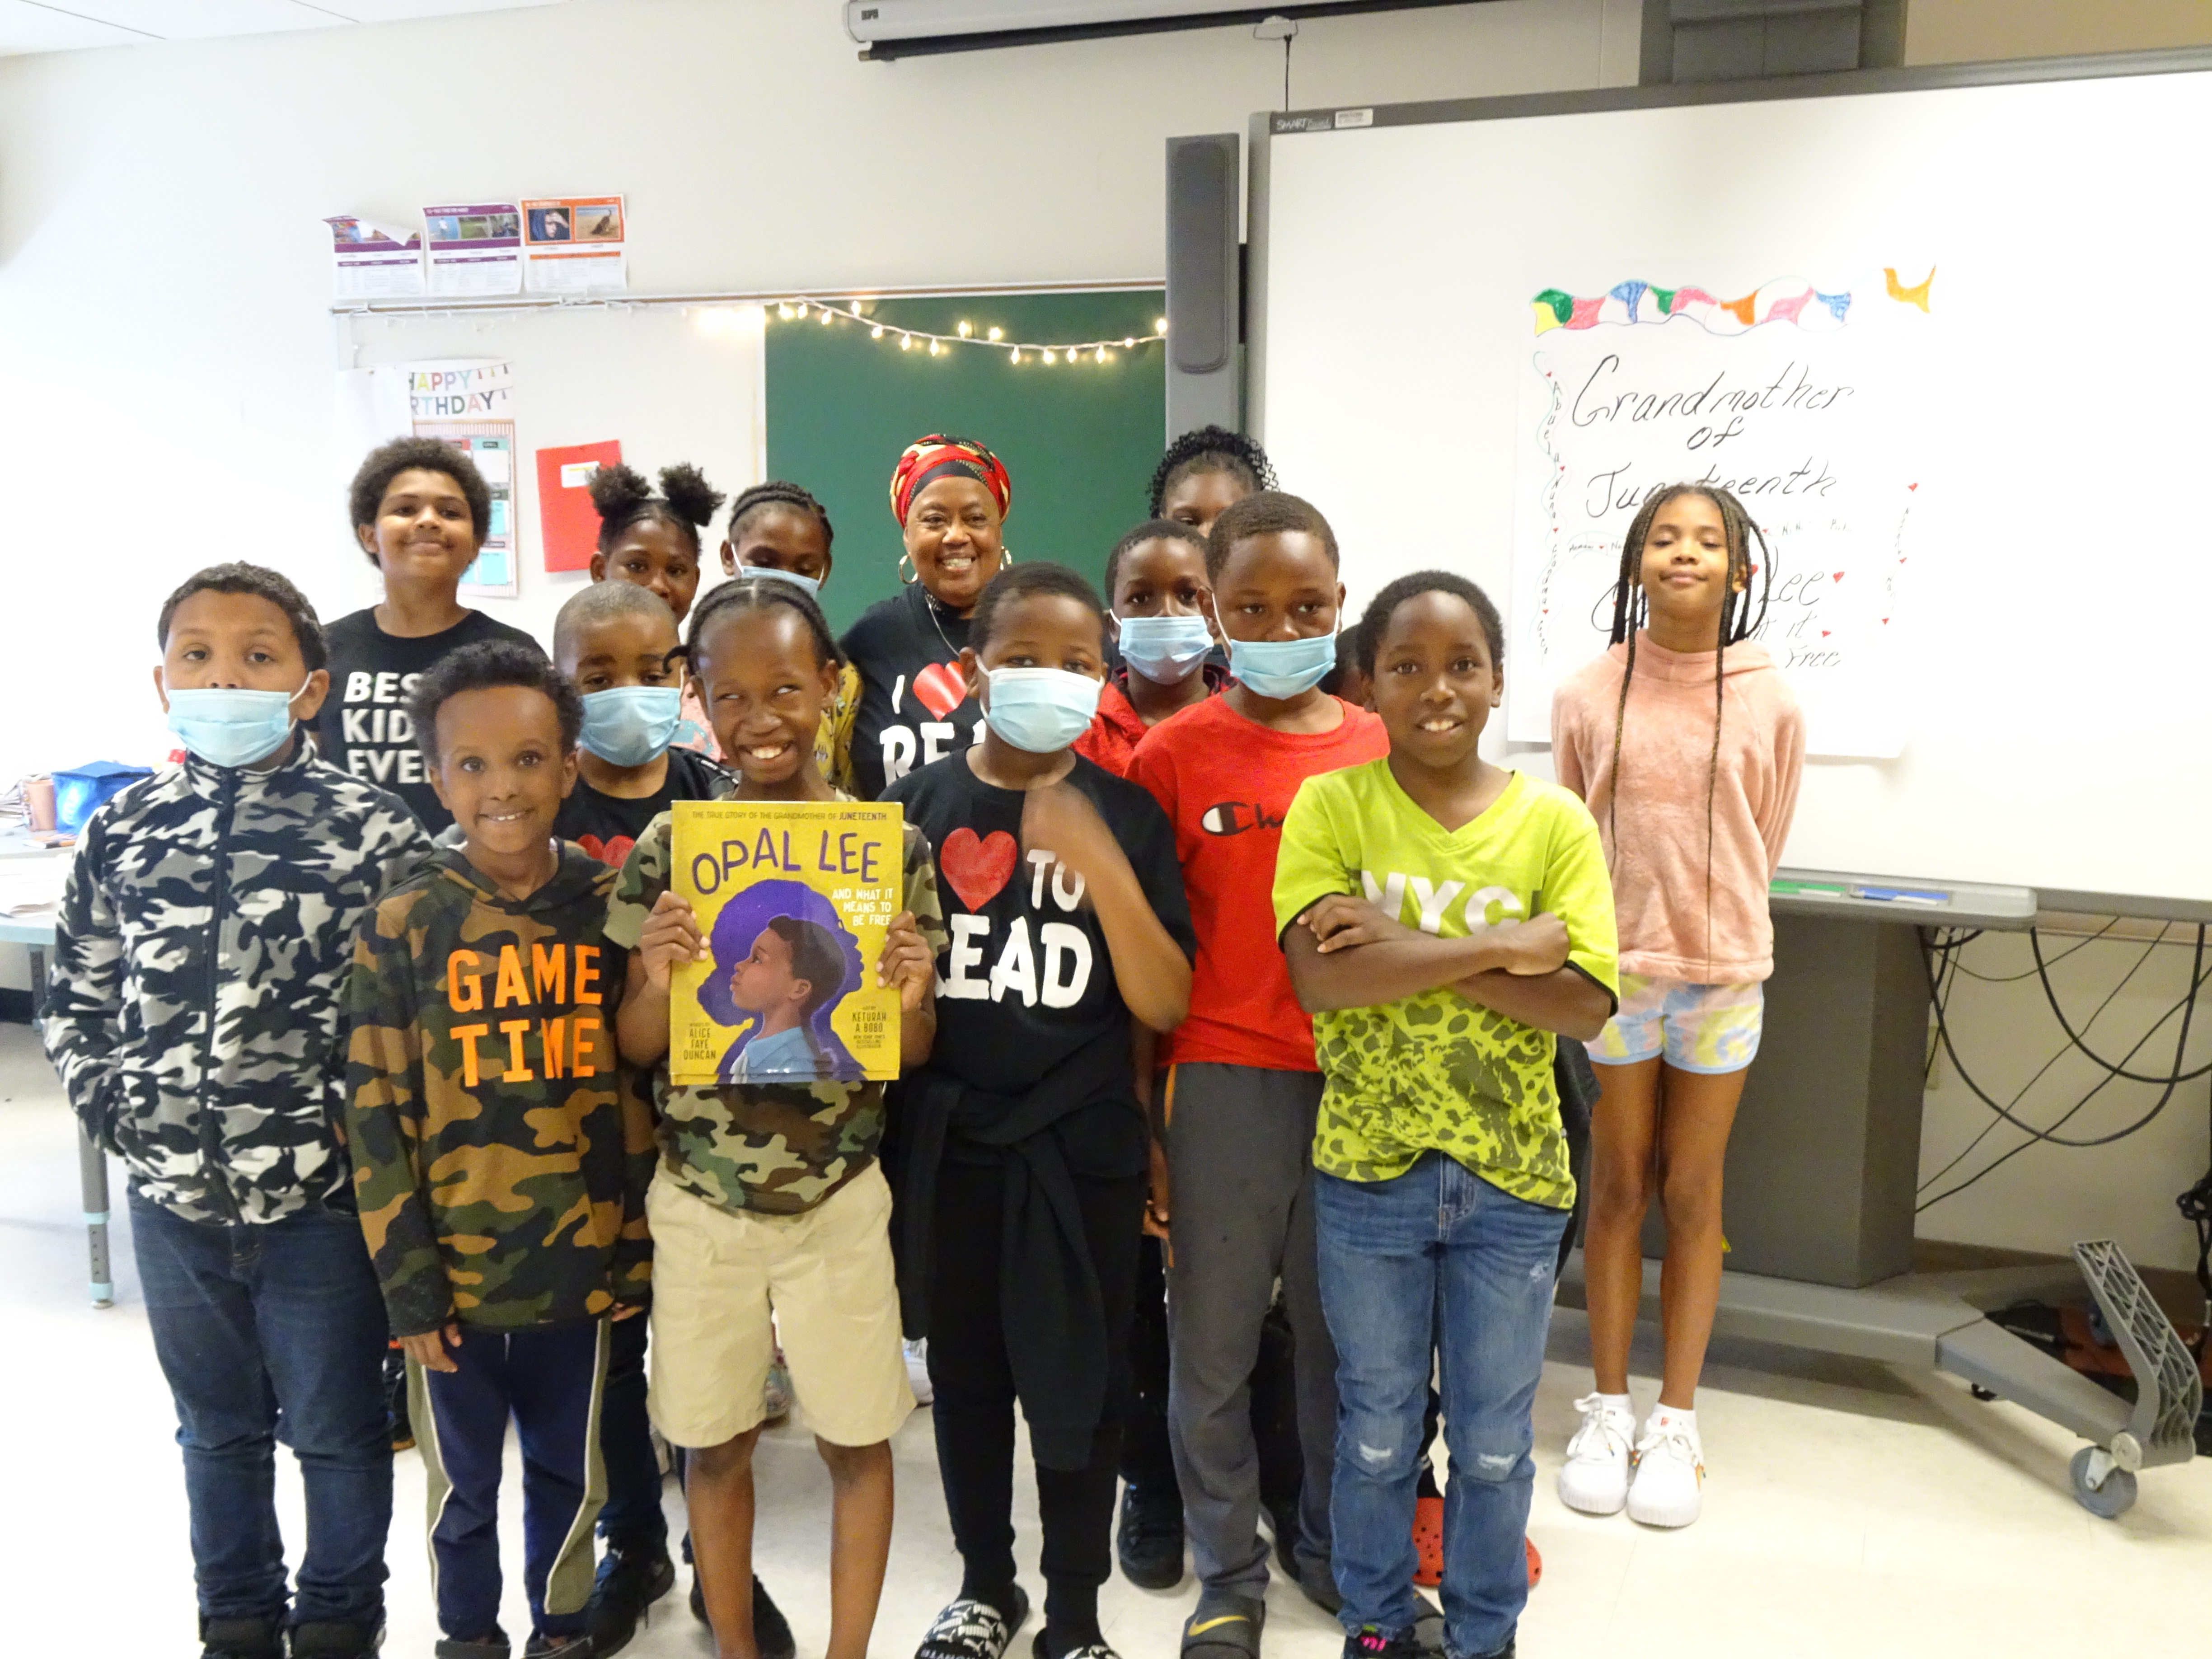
(2043, 690)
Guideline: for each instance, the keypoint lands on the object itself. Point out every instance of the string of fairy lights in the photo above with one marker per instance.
(989, 338)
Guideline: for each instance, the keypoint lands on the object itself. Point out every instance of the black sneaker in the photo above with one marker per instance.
(1369, 1642)
(1318, 1580)
(335, 1639)
(544, 1647)
(630, 1581)
(1148, 1542)
(772, 1635)
(241, 1639)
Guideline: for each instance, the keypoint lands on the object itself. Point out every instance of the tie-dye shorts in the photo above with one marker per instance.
(1696, 1028)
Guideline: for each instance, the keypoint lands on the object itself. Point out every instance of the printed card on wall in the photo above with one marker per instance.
(1799, 398)
(794, 900)
(475, 249)
(571, 244)
(372, 261)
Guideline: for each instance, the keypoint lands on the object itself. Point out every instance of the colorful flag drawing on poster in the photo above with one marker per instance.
(1802, 397)
(794, 899)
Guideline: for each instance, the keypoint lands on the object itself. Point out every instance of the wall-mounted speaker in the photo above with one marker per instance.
(1205, 303)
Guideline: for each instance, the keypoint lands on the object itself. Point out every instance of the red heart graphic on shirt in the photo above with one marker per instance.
(978, 866)
(940, 689)
(615, 851)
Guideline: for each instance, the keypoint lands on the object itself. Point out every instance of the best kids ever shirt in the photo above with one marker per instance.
(500, 1149)
(1435, 1072)
(774, 1148)
(1226, 783)
(364, 729)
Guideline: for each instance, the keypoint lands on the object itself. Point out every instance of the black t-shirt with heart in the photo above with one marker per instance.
(915, 707)
(1027, 979)
(607, 826)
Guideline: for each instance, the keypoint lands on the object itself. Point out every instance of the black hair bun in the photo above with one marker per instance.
(618, 491)
(685, 488)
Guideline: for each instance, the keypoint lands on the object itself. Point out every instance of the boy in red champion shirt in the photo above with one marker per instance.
(1242, 1088)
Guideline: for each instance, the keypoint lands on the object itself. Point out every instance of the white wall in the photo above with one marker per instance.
(166, 357)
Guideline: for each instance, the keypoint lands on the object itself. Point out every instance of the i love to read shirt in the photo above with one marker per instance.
(1436, 1071)
(1024, 978)
(364, 729)
(1226, 783)
(914, 707)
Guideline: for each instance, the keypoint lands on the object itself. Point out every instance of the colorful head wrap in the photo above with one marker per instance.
(941, 456)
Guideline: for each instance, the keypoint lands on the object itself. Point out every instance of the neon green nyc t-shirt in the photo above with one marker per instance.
(1435, 1072)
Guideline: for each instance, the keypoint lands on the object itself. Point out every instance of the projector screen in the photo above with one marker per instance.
(1952, 345)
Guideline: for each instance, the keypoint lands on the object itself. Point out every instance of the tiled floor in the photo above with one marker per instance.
(1852, 1510)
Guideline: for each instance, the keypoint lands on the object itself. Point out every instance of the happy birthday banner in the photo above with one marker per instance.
(1798, 398)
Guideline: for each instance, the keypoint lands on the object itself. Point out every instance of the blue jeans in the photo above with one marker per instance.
(1437, 1260)
(266, 1332)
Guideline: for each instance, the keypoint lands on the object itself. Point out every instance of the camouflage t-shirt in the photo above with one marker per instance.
(1435, 1072)
(501, 1149)
(779, 1149)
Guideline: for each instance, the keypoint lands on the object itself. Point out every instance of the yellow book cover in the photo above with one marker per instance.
(794, 899)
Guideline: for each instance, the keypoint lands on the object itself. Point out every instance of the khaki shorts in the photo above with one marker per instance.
(726, 1285)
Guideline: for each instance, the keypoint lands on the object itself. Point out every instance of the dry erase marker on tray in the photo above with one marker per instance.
(1816, 888)
(1900, 895)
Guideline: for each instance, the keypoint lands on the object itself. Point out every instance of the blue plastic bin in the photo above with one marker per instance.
(79, 791)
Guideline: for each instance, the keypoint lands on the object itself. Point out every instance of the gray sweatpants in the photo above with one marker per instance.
(1240, 1153)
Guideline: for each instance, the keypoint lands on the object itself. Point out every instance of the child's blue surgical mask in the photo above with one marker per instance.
(630, 725)
(806, 585)
(1042, 710)
(1282, 668)
(1165, 650)
(227, 726)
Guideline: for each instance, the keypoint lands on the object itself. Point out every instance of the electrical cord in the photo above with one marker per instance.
(2029, 973)
(2050, 995)
(2057, 1055)
(2186, 1007)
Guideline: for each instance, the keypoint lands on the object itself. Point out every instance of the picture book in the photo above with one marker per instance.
(794, 899)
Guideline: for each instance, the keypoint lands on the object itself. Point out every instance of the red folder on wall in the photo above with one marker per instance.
(565, 514)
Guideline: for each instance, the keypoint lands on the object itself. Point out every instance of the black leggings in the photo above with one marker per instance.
(974, 1381)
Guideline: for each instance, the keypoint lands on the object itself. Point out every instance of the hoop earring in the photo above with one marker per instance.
(1006, 554)
(907, 573)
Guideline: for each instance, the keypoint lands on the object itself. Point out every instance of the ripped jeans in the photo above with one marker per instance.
(1437, 1260)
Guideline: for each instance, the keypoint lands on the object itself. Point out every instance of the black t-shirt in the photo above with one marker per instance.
(915, 707)
(1027, 980)
(363, 729)
(607, 826)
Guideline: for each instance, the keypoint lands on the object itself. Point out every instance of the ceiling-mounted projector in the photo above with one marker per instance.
(900, 28)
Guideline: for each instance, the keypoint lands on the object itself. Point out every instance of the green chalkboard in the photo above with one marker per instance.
(1080, 440)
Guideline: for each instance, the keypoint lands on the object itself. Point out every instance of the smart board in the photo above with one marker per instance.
(1948, 342)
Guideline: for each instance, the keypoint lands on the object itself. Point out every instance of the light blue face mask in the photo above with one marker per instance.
(228, 726)
(1042, 710)
(808, 585)
(1282, 668)
(1166, 650)
(630, 725)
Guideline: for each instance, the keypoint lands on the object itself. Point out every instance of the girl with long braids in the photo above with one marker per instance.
(1688, 744)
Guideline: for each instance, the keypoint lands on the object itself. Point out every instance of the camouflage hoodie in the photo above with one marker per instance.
(500, 1150)
(195, 1006)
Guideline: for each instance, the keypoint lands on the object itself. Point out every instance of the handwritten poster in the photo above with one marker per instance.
(794, 899)
(1802, 399)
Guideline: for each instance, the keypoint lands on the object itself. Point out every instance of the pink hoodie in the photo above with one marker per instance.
(1659, 867)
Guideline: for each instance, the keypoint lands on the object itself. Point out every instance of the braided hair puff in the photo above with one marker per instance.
(685, 503)
(1211, 449)
(778, 492)
(1738, 621)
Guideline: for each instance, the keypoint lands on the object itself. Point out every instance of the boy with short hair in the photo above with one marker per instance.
(1242, 1088)
(502, 1154)
(218, 1078)
(421, 512)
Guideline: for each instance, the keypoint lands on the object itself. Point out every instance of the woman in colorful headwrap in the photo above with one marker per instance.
(949, 495)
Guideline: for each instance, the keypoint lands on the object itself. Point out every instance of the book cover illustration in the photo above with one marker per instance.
(794, 899)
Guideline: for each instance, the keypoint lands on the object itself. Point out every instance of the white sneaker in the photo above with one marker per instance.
(1594, 1477)
(1670, 1474)
(917, 1371)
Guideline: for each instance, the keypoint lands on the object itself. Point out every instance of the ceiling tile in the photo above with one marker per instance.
(26, 28)
(27, 25)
